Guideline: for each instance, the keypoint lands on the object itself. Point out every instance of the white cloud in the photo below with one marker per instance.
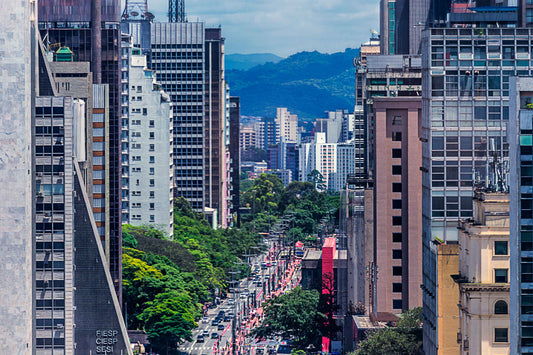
(283, 27)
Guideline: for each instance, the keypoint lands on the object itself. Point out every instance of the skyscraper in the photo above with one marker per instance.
(18, 38)
(91, 29)
(465, 110)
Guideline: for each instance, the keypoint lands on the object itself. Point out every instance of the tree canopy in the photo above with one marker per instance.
(293, 316)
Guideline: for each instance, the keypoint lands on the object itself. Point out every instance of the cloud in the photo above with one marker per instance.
(283, 27)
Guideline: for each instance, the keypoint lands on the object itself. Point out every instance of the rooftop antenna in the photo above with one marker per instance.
(499, 170)
(176, 11)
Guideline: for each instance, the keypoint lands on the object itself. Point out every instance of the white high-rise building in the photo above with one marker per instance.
(147, 151)
(333, 160)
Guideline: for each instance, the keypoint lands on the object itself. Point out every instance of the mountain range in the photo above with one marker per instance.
(307, 83)
(247, 61)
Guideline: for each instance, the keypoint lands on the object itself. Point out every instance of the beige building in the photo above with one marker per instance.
(447, 295)
(287, 125)
(484, 277)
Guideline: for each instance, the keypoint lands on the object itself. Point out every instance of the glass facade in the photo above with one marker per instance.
(465, 113)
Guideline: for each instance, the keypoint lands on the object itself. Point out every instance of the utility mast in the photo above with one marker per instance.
(176, 11)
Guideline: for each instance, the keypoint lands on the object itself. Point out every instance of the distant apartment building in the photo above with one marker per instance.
(266, 133)
(248, 138)
(465, 114)
(520, 136)
(334, 161)
(339, 126)
(147, 164)
(397, 203)
(484, 276)
(287, 124)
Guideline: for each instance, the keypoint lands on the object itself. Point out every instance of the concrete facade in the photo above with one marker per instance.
(397, 201)
(18, 75)
(287, 124)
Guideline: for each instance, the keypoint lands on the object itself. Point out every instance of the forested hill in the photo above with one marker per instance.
(307, 83)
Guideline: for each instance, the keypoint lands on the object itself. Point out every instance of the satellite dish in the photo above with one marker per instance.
(149, 15)
(134, 13)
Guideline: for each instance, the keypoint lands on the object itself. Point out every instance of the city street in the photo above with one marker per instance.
(271, 277)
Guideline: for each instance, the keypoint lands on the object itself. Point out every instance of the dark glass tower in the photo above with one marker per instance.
(91, 29)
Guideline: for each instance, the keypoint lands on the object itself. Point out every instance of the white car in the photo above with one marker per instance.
(205, 320)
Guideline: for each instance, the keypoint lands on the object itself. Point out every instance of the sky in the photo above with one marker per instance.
(283, 27)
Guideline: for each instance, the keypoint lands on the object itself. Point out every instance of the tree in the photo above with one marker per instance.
(293, 316)
(406, 338)
(317, 179)
(386, 341)
(169, 319)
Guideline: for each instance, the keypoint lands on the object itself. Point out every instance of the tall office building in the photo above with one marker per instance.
(521, 213)
(189, 63)
(401, 25)
(215, 124)
(18, 41)
(91, 29)
(465, 110)
(397, 203)
(525, 13)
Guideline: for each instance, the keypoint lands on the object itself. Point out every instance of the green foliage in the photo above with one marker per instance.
(317, 179)
(406, 338)
(264, 193)
(297, 352)
(293, 316)
(168, 319)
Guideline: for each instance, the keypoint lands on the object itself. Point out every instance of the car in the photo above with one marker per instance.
(200, 339)
(274, 263)
(214, 323)
(205, 320)
(263, 265)
(214, 335)
(267, 277)
(227, 318)
(231, 301)
(205, 333)
(221, 326)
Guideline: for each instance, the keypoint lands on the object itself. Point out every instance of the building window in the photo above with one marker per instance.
(152, 218)
(396, 170)
(152, 206)
(152, 159)
(396, 136)
(152, 135)
(501, 307)
(500, 275)
(396, 153)
(151, 123)
(396, 187)
(145, 111)
(397, 204)
(501, 335)
(500, 247)
(397, 253)
(152, 147)
(396, 220)
(396, 287)
(152, 171)
(397, 304)
(152, 182)
(152, 194)
(396, 271)
(397, 237)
